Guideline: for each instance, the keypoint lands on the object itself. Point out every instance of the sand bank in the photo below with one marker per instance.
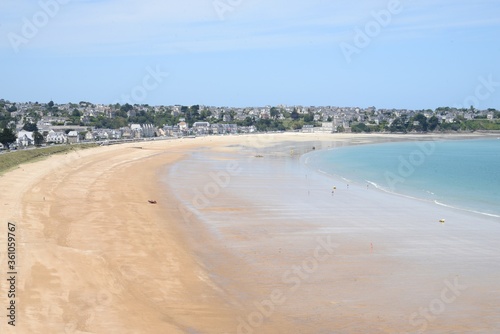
(95, 257)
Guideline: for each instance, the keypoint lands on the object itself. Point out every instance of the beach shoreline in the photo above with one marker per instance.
(264, 234)
(97, 257)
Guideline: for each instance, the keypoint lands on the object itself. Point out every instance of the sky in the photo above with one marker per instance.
(412, 54)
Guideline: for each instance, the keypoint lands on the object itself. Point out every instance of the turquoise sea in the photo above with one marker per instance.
(464, 174)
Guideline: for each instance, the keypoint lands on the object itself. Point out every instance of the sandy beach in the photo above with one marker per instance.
(243, 239)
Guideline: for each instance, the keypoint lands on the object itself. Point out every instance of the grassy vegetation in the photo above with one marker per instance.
(484, 125)
(11, 160)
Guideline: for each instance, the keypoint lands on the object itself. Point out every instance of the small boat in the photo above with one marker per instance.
(152, 201)
(441, 221)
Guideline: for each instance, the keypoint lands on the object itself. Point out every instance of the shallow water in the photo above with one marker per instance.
(464, 174)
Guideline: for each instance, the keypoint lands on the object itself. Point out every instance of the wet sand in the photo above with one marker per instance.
(358, 260)
(266, 250)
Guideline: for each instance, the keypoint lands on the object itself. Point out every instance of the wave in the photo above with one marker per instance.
(379, 187)
(468, 210)
(334, 175)
(324, 173)
(434, 201)
(346, 180)
(419, 191)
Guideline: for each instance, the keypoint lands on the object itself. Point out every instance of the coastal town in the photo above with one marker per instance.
(40, 124)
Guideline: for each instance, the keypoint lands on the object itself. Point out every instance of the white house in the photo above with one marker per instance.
(201, 127)
(148, 130)
(308, 128)
(183, 126)
(89, 136)
(102, 135)
(126, 133)
(25, 138)
(160, 133)
(135, 127)
(325, 127)
(113, 134)
(73, 137)
(56, 137)
(136, 130)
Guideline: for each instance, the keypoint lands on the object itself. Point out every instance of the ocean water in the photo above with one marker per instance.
(464, 174)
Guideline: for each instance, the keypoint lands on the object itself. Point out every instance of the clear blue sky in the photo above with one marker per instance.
(424, 54)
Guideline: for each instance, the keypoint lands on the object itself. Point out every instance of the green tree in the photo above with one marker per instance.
(248, 121)
(205, 113)
(422, 122)
(274, 112)
(308, 118)
(297, 125)
(398, 125)
(195, 108)
(118, 122)
(433, 123)
(126, 108)
(232, 114)
(121, 113)
(5, 118)
(30, 127)
(38, 137)
(7, 137)
(360, 127)
(262, 125)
